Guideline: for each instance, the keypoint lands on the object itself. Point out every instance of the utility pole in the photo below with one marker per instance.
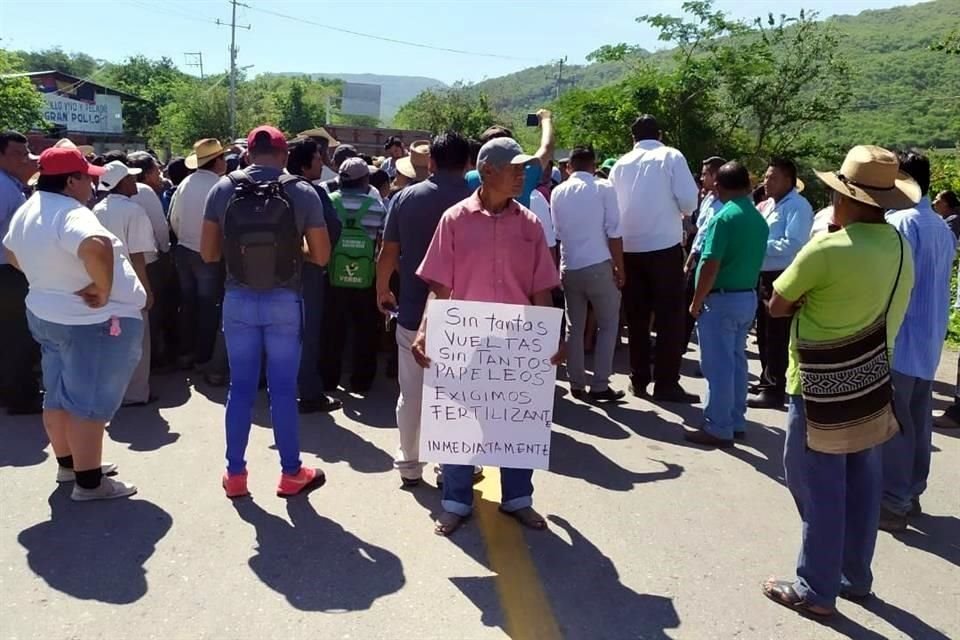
(194, 59)
(233, 63)
(559, 77)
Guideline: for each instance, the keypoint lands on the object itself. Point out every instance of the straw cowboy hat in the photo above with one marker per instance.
(319, 132)
(203, 152)
(416, 166)
(872, 175)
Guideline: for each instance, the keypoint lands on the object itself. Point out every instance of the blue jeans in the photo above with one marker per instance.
(838, 497)
(254, 322)
(201, 286)
(85, 369)
(906, 456)
(314, 281)
(516, 489)
(722, 330)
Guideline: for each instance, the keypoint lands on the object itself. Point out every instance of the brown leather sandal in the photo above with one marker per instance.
(447, 523)
(783, 593)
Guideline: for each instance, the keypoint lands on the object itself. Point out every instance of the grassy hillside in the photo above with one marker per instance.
(904, 94)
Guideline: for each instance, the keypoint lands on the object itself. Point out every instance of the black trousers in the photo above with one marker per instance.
(655, 286)
(690, 289)
(19, 385)
(355, 309)
(163, 314)
(773, 339)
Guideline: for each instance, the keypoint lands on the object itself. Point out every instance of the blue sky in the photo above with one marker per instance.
(523, 33)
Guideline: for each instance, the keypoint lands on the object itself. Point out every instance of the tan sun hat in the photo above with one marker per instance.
(67, 143)
(319, 132)
(416, 166)
(203, 151)
(872, 175)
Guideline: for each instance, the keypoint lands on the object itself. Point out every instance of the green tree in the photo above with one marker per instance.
(21, 105)
(56, 59)
(456, 109)
(195, 110)
(152, 81)
(296, 112)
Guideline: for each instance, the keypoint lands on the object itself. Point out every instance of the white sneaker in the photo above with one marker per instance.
(68, 475)
(108, 490)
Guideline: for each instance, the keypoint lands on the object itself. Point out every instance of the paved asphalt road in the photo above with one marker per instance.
(650, 538)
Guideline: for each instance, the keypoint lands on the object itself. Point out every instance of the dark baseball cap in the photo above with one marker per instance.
(342, 152)
(353, 169)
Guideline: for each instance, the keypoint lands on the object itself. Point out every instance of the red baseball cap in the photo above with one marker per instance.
(57, 161)
(265, 135)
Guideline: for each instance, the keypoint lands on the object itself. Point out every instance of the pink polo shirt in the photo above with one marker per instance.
(489, 257)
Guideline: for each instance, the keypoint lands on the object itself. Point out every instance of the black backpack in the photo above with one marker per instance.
(262, 242)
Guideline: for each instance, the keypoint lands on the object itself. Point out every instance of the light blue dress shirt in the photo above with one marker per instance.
(708, 208)
(790, 222)
(917, 349)
(11, 197)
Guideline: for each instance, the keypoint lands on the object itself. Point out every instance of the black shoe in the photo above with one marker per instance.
(707, 440)
(607, 395)
(324, 404)
(915, 508)
(740, 435)
(579, 394)
(674, 393)
(639, 390)
(29, 408)
(893, 522)
(754, 388)
(846, 594)
(766, 400)
(409, 483)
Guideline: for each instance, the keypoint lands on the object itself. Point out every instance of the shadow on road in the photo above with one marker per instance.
(575, 459)
(142, 428)
(315, 563)
(582, 585)
(937, 535)
(321, 436)
(24, 441)
(95, 551)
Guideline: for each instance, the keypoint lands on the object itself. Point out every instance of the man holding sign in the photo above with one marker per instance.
(488, 248)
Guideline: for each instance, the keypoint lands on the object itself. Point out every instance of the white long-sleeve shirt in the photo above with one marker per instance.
(586, 217)
(147, 198)
(655, 189)
(186, 207)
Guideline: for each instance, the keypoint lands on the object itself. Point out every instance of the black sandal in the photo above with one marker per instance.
(783, 593)
(447, 523)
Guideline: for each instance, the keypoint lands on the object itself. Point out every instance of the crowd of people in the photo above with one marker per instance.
(266, 258)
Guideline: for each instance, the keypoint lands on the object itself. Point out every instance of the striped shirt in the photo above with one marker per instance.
(373, 219)
(917, 349)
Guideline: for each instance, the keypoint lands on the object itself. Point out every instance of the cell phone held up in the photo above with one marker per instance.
(533, 120)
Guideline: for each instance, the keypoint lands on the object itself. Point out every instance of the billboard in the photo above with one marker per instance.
(103, 115)
(361, 99)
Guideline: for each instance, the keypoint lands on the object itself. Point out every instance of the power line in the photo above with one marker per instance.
(371, 36)
(176, 13)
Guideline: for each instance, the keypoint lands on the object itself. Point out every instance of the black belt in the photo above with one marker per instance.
(731, 290)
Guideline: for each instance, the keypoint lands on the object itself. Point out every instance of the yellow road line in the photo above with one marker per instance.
(524, 603)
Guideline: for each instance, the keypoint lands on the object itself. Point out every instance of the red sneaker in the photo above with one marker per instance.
(235, 484)
(291, 485)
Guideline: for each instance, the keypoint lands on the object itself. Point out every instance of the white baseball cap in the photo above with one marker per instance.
(115, 172)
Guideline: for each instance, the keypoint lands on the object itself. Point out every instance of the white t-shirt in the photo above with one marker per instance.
(127, 220)
(541, 208)
(148, 199)
(45, 234)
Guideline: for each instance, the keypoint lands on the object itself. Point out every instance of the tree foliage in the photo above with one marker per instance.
(151, 80)
(56, 59)
(457, 109)
(21, 106)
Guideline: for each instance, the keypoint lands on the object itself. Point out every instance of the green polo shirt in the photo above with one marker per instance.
(737, 237)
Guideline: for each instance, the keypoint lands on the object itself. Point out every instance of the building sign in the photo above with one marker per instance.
(105, 115)
(488, 394)
(361, 99)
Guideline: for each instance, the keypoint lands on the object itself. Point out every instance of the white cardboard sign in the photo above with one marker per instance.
(488, 394)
